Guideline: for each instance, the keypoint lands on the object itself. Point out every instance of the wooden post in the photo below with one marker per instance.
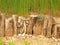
(2, 27)
(38, 26)
(25, 26)
(9, 28)
(15, 18)
(49, 27)
(57, 31)
(32, 21)
(48, 23)
(20, 25)
(45, 27)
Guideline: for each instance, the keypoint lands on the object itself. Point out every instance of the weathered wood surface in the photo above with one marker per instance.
(32, 25)
(2, 26)
(56, 27)
(20, 25)
(9, 28)
(57, 31)
(38, 26)
(48, 26)
(15, 19)
(45, 27)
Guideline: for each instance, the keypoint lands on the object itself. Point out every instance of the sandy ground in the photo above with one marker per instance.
(31, 40)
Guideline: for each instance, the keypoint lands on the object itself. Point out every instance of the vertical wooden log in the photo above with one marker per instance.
(15, 18)
(2, 18)
(45, 27)
(25, 26)
(9, 31)
(55, 31)
(49, 28)
(48, 23)
(38, 28)
(31, 24)
(20, 25)
(26, 23)
(58, 32)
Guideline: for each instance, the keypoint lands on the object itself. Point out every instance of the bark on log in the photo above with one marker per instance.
(2, 26)
(45, 27)
(32, 21)
(57, 31)
(48, 24)
(20, 25)
(38, 28)
(9, 28)
(15, 18)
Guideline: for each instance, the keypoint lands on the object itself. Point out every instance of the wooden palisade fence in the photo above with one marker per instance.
(34, 24)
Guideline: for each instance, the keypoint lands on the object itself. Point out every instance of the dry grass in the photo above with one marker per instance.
(34, 40)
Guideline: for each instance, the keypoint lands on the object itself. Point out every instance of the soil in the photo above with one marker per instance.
(31, 40)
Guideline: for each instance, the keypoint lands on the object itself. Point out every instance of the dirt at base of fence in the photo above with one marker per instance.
(30, 40)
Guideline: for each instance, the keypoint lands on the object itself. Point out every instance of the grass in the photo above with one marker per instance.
(1, 42)
(26, 42)
(25, 6)
(11, 43)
